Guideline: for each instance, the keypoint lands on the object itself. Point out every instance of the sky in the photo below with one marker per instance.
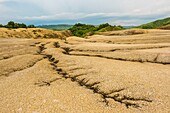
(115, 12)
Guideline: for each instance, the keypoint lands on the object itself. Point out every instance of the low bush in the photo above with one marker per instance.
(13, 25)
(1, 25)
(82, 30)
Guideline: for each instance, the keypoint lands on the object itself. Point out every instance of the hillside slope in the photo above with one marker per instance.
(155, 24)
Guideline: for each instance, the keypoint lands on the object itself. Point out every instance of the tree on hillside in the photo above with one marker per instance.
(31, 26)
(10, 24)
(16, 25)
(1, 25)
(22, 25)
(103, 26)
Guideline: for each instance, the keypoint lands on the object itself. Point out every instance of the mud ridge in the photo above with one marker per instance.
(141, 48)
(7, 75)
(67, 51)
(7, 56)
(113, 50)
(78, 50)
(120, 59)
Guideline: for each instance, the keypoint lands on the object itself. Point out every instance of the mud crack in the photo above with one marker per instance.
(46, 83)
(56, 44)
(67, 50)
(123, 99)
(41, 48)
(126, 100)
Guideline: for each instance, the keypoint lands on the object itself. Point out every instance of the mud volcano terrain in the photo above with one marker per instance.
(100, 74)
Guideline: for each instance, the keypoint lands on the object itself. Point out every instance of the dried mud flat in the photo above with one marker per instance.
(101, 74)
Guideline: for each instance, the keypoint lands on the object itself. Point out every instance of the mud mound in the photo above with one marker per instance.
(33, 33)
(153, 36)
(167, 27)
(124, 32)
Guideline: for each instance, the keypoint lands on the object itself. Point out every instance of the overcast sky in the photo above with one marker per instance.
(116, 12)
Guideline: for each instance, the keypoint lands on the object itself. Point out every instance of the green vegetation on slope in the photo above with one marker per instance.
(13, 25)
(82, 30)
(156, 24)
(56, 27)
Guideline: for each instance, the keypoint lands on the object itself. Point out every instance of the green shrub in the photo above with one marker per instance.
(82, 30)
(13, 25)
(1, 25)
(31, 26)
(108, 28)
(10, 24)
(118, 28)
(101, 26)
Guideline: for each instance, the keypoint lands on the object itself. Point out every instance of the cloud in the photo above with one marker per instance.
(113, 18)
(87, 11)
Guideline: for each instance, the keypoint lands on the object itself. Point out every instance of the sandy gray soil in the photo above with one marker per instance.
(101, 74)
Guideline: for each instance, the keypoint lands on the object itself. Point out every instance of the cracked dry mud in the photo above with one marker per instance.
(86, 75)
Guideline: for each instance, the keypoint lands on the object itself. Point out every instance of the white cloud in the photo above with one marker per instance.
(70, 16)
(120, 11)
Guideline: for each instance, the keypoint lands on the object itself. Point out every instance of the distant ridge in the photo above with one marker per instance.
(156, 24)
(128, 27)
(56, 27)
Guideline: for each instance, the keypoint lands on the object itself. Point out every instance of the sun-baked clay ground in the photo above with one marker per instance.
(100, 74)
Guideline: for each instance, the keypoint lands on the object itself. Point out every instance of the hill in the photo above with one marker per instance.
(156, 24)
(56, 27)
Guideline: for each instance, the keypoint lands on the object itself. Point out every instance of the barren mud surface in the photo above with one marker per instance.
(100, 74)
